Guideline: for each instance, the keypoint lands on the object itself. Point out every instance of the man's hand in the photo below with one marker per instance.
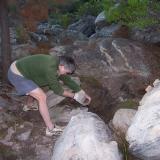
(82, 98)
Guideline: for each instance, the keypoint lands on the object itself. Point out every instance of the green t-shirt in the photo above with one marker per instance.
(42, 69)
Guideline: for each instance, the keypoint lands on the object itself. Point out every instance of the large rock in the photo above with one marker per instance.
(113, 30)
(69, 36)
(85, 25)
(106, 31)
(143, 135)
(152, 95)
(123, 119)
(120, 54)
(100, 21)
(149, 35)
(22, 50)
(46, 28)
(115, 55)
(87, 138)
(38, 37)
(122, 66)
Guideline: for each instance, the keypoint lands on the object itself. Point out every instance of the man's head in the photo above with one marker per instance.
(66, 65)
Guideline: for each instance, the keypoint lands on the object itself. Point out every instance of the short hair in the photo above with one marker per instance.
(68, 63)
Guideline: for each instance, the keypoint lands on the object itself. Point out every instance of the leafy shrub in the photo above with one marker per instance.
(64, 6)
(61, 19)
(134, 13)
(65, 20)
(21, 34)
(91, 7)
(74, 11)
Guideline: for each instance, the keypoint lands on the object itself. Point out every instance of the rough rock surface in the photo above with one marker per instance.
(143, 135)
(86, 137)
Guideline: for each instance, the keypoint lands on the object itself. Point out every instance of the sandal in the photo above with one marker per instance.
(53, 131)
(33, 107)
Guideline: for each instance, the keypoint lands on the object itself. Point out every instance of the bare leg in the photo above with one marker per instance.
(40, 96)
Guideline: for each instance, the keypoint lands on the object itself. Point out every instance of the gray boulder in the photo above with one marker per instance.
(21, 50)
(100, 21)
(120, 53)
(85, 25)
(69, 36)
(150, 34)
(39, 37)
(107, 31)
(143, 135)
(87, 138)
(46, 28)
(123, 119)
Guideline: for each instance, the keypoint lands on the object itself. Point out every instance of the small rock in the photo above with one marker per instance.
(24, 131)
(24, 136)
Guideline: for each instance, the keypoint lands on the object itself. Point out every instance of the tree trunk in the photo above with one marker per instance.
(5, 39)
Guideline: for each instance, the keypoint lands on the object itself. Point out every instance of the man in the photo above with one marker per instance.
(32, 72)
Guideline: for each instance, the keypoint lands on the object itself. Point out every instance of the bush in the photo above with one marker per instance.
(74, 11)
(21, 34)
(133, 13)
(61, 19)
(91, 7)
(65, 20)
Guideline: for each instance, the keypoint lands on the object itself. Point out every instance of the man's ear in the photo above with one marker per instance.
(61, 65)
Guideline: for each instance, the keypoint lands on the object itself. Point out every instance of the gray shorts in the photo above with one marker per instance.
(23, 86)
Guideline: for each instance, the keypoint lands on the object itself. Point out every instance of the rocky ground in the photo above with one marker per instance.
(22, 134)
(113, 69)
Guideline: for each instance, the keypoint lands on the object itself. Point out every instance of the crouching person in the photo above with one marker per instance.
(28, 74)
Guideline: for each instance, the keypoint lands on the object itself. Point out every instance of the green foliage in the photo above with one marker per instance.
(62, 19)
(63, 6)
(133, 13)
(67, 13)
(21, 34)
(91, 7)
(65, 20)
(128, 104)
(155, 5)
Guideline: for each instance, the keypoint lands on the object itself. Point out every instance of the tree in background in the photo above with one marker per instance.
(5, 39)
(133, 13)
